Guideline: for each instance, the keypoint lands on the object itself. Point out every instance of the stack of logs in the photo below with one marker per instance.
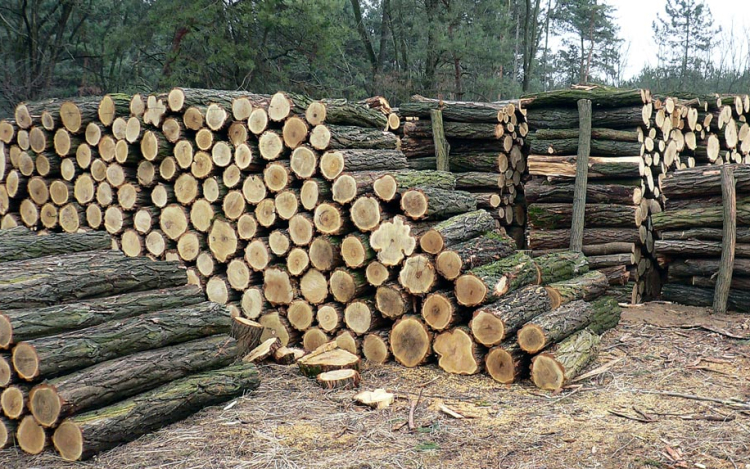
(690, 236)
(97, 348)
(483, 143)
(622, 192)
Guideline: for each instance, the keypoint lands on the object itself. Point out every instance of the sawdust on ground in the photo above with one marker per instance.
(623, 417)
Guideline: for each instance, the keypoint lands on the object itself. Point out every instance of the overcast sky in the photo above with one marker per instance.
(635, 18)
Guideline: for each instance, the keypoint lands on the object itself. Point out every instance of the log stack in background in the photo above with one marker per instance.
(622, 192)
(97, 348)
(485, 152)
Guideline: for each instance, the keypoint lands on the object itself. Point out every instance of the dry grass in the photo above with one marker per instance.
(291, 423)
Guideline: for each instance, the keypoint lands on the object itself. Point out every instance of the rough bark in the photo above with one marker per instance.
(118, 379)
(20, 243)
(739, 300)
(559, 239)
(459, 111)
(699, 217)
(585, 287)
(53, 355)
(489, 282)
(350, 137)
(700, 182)
(54, 279)
(561, 266)
(476, 252)
(84, 435)
(18, 325)
(559, 216)
(599, 167)
(696, 248)
(568, 146)
(493, 323)
(436, 204)
(463, 130)
(553, 369)
(705, 267)
(601, 97)
(455, 230)
(597, 133)
(538, 192)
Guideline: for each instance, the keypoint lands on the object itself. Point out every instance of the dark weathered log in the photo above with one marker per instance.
(473, 131)
(599, 167)
(496, 162)
(65, 278)
(739, 300)
(738, 283)
(585, 287)
(118, 379)
(17, 325)
(696, 248)
(493, 323)
(613, 118)
(538, 192)
(459, 111)
(705, 267)
(20, 243)
(559, 239)
(489, 282)
(84, 435)
(561, 266)
(699, 217)
(706, 234)
(598, 147)
(342, 112)
(53, 355)
(556, 325)
(559, 216)
(601, 97)
(702, 181)
(551, 370)
(349, 137)
(479, 181)
(609, 260)
(597, 133)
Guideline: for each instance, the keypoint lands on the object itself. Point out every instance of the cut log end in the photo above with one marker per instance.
(449, 265)
(410, 341)
(375, 348)
(431, 242)
(501, 366)
(337, 359)
(487, 329)
(457, 352)
(414, 204)
(376, 273)
(44, 404)
(30, 436)
(531, 338)
(6, 332)
(393, 241)
(438, 311)
(263, 351)
(26, 361)
(385, 188)
(314, 338)
(12, 402)
(417, 275)
(68, 440)
(470, 290)
(547, 373)
(339, 379)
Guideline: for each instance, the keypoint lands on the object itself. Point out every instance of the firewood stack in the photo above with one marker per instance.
(485, 151)
(690, 236)
(97, 348)
(622, 189)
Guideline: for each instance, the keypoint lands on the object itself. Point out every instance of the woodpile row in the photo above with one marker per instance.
(306, 216)
(691, 235)
(482, 143)
(97, 348)
(622, 185)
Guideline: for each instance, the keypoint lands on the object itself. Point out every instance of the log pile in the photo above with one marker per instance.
(483, 143)
(622, 185)
(97, 348)
(690, 232)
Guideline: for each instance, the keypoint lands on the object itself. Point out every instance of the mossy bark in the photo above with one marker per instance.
(561, 266)
(587, 287)
(559, 216)
(19, 243)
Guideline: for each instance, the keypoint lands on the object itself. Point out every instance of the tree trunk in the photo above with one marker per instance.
(708, 217)
(455, 230)
(118, 379)
(702, 181)
(705, 267)
(436, 204)
(337, 359)
(84, 435)
(739, 300)
(350, 137)
(479, 181)
(476, 252)
(553, 369)
(705, 234)
(18, 325)
(493, 323)
(585, 287)
(696, 248)
(597, 133)
(559, 239)
(601, 97)
(495, 162)
(459, 111)
(463, 130)
(54, 355)
(64, 278)
(559, 216)
(20, 243)
(561, 266)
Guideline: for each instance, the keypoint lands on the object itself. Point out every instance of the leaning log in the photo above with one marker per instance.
(507, 363)
(118, 379)
(489, 282)
(495, 322)
(84, 435)
(587, 287)
(54, 355)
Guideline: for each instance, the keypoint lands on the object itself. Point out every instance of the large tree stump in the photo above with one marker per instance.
(84, 435)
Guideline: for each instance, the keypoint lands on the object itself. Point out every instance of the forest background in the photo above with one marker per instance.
(481, 50)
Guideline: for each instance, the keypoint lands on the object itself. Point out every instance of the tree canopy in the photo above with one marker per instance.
(459, 49)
